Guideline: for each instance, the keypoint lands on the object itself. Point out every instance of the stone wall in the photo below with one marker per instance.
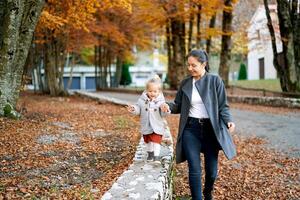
(142, 180)
(255, 100)
(267, 101)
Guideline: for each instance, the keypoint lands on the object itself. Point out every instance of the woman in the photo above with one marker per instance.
(204, 123)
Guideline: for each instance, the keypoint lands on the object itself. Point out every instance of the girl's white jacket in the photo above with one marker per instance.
(151, 116)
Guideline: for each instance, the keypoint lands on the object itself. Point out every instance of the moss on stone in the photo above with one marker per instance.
(10, 112)
(7, 109)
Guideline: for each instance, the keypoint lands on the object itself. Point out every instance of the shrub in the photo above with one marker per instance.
(242, 72)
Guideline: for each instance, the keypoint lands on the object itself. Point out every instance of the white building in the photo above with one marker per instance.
(147, 65)
(83, 77)
(260, 55)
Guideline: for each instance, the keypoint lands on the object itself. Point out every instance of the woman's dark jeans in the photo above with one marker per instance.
(199, 137)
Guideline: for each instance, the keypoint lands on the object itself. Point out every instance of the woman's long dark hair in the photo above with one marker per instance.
(201, 56)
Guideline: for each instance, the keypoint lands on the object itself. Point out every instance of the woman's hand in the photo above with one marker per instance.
(165, 107)
(130, 108)
(231, 126)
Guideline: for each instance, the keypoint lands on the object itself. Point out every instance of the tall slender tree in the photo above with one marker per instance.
(226, 40)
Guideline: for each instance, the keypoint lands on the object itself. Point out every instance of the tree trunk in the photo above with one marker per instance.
(280, 69)
(177, 71)
(54, 66)
(290, 42)
(198, 36)
(105, 66)
(100, 61)
(169, 49)
(96, 65)
(118, 71)
(18, 21)
(61, 53)
(211, 25)
(191, 25)
(71, 70)
(295, 15)
(109, 69)
(226, 42)
(40, 81)
(50, 69)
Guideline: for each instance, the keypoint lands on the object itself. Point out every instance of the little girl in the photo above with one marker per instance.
(153, 126)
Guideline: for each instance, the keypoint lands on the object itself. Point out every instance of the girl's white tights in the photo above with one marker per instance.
(149, 146)
(155, 147)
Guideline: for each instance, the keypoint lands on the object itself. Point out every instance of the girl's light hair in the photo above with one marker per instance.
(154, 80)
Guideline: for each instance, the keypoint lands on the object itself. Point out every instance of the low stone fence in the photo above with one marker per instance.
(267, 101)
(255, 100)
(142, 180)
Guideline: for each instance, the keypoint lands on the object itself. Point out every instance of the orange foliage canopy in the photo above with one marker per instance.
(70, 20)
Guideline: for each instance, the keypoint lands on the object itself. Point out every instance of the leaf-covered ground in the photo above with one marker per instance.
(73, 148)
(64, 148)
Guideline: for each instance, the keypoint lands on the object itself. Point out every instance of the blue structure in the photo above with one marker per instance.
(75, 85)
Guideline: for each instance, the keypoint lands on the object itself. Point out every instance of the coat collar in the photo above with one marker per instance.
(160, 97)
(201, 86)
(188, 86)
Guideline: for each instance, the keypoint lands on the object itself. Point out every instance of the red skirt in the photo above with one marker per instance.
(153, 137)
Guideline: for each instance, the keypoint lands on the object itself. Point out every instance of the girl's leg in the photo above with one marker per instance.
(149, 147)
(156, 149)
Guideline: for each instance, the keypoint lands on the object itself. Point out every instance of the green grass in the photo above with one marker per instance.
(267, 84)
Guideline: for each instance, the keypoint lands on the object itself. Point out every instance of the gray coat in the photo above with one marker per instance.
(151, 117)
(212, 92)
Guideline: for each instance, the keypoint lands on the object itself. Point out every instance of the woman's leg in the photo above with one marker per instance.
(192, 147)
(211, 171)
(211, 152)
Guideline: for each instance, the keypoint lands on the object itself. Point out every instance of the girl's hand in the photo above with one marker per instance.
(130, 108)
(165, 107)
(231, 126)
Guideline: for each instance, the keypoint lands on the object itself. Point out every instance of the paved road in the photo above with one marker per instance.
(282, 131)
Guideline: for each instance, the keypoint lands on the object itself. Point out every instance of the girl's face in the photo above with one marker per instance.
(195, 68)
(153, 90)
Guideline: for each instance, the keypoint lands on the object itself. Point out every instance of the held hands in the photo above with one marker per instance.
(130, 108)
(165, 107)
(231, 126)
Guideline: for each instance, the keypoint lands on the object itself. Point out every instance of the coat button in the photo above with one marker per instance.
(155, 109)
(146, 109)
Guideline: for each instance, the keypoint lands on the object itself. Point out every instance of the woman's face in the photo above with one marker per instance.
(195, 68)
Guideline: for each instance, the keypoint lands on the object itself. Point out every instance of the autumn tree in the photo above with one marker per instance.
(60, 25)
(187, 24)
(118, 29)
(289, 25)
(17, 24)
